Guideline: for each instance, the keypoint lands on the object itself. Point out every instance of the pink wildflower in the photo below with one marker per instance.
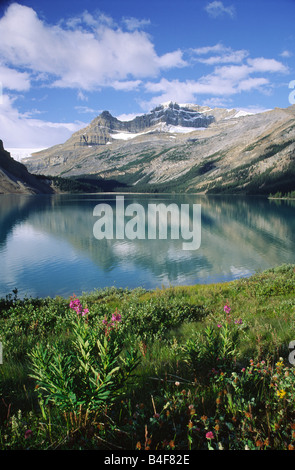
(209, 435)
(85, 311)
(227, 308)
(116, 317)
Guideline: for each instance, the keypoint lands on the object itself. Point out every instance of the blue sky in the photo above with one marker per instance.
(63, 62)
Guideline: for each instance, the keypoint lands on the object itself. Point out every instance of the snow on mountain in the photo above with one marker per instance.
(161, 127)
(19, 153)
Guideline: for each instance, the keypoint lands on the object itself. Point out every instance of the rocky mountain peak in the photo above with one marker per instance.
(103, 128)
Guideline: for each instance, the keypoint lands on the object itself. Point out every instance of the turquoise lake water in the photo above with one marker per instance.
(48, 246)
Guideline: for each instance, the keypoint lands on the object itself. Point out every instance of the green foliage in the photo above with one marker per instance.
(211, 365)
(213, 348)
(88, 373)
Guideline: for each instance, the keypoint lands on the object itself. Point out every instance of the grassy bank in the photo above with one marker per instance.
(198, 367)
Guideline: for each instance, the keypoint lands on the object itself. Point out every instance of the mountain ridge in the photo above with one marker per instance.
(15, 178)
(180, 147)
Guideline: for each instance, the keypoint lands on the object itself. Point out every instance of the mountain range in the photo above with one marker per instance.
(180, 148)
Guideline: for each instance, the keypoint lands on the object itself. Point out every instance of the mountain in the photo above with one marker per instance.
(186, 148)
(15, 178)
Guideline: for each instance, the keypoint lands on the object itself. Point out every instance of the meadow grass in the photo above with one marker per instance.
(188, 367)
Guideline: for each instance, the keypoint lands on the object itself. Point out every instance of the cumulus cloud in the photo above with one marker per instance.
(86, 53)
(21, 130)
(260, 64)
(12, 79)
(235, 73)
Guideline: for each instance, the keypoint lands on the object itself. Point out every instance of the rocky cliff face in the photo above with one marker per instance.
(15, 178)
(181, 148)
(105, 128)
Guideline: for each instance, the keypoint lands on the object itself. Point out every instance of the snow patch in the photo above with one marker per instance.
(19, 153)
(178, 129)
(242, 113)
(161, 127)
(126, 135)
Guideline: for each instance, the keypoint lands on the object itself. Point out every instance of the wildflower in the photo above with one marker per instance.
(190, 424)
(138, 445)
(192, 410)
(204, 418)
(281, 393)
(172, 444)
(290, 447)
(219, 326)
(28, 433)
(226, 308)
(85, 311)
(116, 316)
(177, 384)
(209, 435)
(75, 304)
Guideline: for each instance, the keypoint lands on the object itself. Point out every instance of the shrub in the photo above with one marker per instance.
(88, 373)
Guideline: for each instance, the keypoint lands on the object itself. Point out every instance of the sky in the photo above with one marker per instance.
(64, 62)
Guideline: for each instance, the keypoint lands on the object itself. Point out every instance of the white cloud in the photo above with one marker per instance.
(11, 79)
(260, 64)
(286, 54)
(224, 81)
(126, 85)
(216, 8)
(134, 23)
(20, 130)
(252, 83)
(94, 54)
(86, 110)
(229, 57)
(208, 49)
(81, 96)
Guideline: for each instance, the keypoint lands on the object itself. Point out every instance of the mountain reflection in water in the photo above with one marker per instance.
(47, 246)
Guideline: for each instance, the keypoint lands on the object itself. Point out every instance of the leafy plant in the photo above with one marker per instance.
(89, 372)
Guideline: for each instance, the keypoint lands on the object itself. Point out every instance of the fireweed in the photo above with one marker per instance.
(91, 372)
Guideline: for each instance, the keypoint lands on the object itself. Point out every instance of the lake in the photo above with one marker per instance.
(48, 245)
